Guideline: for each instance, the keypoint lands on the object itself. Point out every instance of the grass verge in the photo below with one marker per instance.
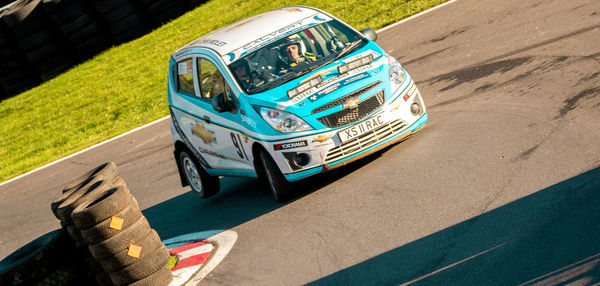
(125, 87)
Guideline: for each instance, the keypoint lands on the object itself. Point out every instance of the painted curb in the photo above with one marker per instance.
(222, 242)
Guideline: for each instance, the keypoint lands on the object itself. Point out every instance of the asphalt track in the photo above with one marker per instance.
(502, 186)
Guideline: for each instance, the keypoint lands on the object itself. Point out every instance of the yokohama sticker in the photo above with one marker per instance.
(290, 145)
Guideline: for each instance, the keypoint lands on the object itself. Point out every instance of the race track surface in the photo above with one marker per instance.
(502, 186)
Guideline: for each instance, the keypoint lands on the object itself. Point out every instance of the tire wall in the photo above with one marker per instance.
(40, 39)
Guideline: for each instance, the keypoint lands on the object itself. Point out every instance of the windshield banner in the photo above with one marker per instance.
(272, 37)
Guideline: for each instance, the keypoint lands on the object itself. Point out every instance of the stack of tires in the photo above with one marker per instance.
(161, 11)
(124, 19)
(103, 218)
(37, 38)
(15, 76)
(79, 24)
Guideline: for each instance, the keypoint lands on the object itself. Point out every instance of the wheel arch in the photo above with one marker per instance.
(180, 146)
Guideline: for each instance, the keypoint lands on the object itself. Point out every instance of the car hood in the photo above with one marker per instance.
(333, 86)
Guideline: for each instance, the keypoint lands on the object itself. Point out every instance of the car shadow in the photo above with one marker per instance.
(547, 238)
(238, 201)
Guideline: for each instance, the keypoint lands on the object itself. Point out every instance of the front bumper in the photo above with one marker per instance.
(326, 151)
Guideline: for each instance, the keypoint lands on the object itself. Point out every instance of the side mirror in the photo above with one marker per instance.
(370, 34)
(222, 104)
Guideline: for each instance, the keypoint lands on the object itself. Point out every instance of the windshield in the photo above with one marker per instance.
(295, 55)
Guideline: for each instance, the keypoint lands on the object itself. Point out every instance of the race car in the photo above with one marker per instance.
(282, 96)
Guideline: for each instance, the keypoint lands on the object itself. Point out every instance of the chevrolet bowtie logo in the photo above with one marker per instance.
(351, 103)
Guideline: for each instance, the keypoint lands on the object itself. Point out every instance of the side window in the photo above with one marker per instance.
(211, 80)
(185, 76)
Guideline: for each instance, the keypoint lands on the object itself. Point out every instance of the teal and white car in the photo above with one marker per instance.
(284, 95)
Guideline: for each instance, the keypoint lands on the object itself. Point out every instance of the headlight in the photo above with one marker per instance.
(283, 121)
(396, 74)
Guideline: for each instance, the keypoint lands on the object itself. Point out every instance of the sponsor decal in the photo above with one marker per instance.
(186, 141)
(357, 77)
(274, 36)
(290, 145)
(365, 53)
(245, 138)
(207, 136)
(211, 152)
(185, 68)
(293, 10)
(210, 42)
(329, 89)
(248, 120)
(303, 95)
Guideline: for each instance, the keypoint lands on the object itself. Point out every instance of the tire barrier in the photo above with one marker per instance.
(109, 230)
(39, 39)
(14, 77)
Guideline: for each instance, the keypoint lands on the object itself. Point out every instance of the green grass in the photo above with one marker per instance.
(125, 87)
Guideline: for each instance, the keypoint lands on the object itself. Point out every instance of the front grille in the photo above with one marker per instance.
(343, 99)
(353, 114)
(365, 141)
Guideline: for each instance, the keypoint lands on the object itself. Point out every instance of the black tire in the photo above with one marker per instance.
(162, 277)
(105, 6)
(85, 33)
(21, 11)
(135, 20)
(103, 231)
(121, 241)
(155, 8)
(279, 186)
(41, 53)
(120, 260)
(62, 15)
(167, 15)
(100, 206)
(203, 185)
(77, 24)
(93, 188)
(53, 67)
(120, 13)
(107, 171)
(92, 46)
(142, 268)
(35, 40)
(132, 34)
(74, 232)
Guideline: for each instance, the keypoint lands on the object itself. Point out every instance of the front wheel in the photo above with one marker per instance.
(280, 187)
(203, 184)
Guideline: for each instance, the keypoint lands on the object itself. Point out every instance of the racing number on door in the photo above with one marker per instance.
(237, 142)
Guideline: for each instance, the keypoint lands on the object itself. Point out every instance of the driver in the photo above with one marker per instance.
(295, 53)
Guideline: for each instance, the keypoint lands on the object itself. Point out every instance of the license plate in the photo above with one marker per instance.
(361, 128)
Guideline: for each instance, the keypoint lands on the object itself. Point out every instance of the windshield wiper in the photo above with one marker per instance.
(280, 80)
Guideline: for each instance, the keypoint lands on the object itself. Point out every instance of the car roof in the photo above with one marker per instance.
(238, 34)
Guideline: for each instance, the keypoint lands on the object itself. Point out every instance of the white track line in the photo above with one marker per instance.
(167, 117)
(86, 149)
(416, 15)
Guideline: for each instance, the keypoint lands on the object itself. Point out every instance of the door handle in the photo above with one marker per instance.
(207, 119)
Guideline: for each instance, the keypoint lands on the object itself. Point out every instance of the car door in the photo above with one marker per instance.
(219, 135)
